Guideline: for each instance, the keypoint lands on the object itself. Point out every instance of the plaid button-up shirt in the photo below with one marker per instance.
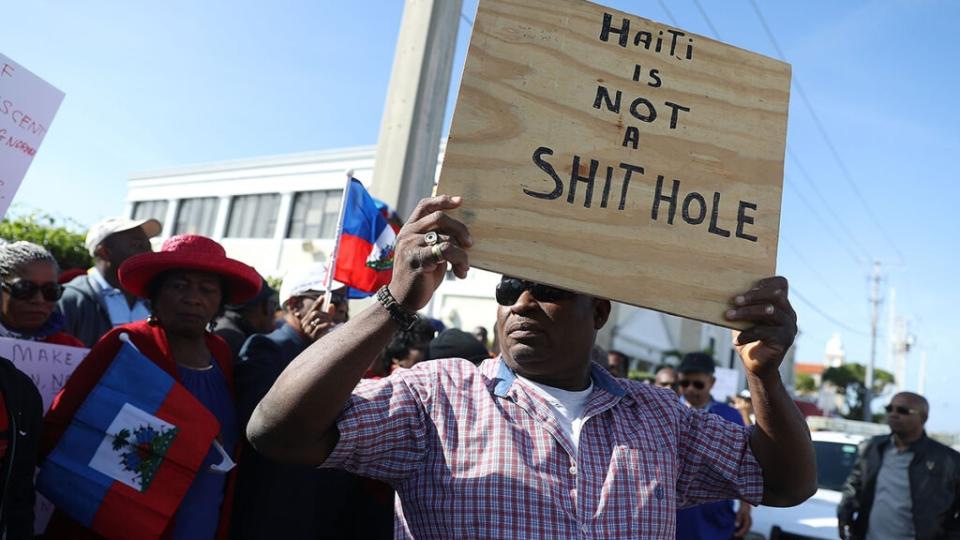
(474, 453)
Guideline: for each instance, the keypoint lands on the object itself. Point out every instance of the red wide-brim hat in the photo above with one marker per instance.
(190, 252)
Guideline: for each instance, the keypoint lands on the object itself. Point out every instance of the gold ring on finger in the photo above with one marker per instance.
(437, 253)
(431, 238)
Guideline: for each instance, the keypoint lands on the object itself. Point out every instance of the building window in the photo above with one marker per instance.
(253, 216)
(150, 210)
(197, 216)
(315, 214)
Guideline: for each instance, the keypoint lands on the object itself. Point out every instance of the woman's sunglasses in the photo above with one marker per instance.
(699, 385)
(25, 290)
(509, 290)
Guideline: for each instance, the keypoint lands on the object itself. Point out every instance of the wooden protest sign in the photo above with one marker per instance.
(27, 106)
(606, 153)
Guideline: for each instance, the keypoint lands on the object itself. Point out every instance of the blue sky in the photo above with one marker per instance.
(152, 85)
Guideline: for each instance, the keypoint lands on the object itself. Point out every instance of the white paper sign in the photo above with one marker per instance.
(726, 384)
(48, 365)
(27, 107)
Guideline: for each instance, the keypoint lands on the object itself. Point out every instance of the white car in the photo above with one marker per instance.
(817, 516)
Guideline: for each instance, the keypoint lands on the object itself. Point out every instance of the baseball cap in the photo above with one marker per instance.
(301, 279)
(100, 231)
(696, 362)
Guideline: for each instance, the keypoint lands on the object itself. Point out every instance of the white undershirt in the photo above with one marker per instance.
(567, 407)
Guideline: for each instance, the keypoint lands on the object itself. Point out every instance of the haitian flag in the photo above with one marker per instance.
(367, 241)
(131, 452)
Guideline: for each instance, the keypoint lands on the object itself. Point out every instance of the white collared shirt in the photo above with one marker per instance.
(118, 309)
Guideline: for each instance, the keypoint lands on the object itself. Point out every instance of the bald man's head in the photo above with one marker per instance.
(917, 402)
(906, 415)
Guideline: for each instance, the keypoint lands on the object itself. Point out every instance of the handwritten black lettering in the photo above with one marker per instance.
(673, 115)
(659, 196)
(715, 216)
(702, 211)
(575, 177)
(547, 168)
(743, 218)
(626, 182)
(607, 29)
(631, 137)
(603, 96)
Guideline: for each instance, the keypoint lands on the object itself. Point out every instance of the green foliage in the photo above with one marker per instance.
(671, 353)
(642, 376)
(62, 240)
(806, 384)
(850, 381)
(274, 282)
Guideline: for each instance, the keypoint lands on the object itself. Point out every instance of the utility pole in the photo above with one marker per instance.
(409, 142)
(874, 313)
(922, 377)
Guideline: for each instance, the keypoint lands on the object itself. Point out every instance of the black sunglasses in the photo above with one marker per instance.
(900, 410)
(509, 290)
(670, 385)
(699, 385)
(25, 290)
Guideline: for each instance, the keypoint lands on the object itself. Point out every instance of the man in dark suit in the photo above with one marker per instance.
(279, 500)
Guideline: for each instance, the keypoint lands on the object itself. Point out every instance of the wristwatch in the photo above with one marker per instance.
(404, 318)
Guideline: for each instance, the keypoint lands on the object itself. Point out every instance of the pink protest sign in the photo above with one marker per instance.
(27, 107)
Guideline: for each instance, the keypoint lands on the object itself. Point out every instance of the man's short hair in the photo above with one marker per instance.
(662, 367)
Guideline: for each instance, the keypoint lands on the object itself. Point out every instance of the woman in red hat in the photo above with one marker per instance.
(187, 282)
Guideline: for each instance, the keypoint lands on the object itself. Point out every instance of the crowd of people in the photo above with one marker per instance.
(384, 424)
(220, 330)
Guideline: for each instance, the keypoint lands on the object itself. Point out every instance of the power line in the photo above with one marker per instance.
(703, 13)
(663, 6)
(813, 270)
(853, 256)
(796, 294)
(823, 201)
(823, 133)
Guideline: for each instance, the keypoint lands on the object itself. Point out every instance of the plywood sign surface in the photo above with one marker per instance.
(610, 154)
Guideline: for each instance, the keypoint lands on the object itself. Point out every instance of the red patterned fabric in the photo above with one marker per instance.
(473, 453)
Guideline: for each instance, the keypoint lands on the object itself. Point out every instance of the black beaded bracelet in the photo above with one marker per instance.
(404, 318)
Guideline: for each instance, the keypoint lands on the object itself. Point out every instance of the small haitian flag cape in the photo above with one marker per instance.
(364, 259)
(131, 451)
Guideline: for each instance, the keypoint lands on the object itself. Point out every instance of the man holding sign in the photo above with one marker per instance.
(538, 442)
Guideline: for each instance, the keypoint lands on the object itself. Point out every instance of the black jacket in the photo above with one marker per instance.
(25, 417)
(934, 488)
(297, 502)
(234, 330)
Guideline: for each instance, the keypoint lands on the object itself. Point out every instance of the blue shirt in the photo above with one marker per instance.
(710, 520)
(118, 309)
(199, 513)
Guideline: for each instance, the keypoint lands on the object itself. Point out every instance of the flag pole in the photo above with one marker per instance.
(332, 262)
